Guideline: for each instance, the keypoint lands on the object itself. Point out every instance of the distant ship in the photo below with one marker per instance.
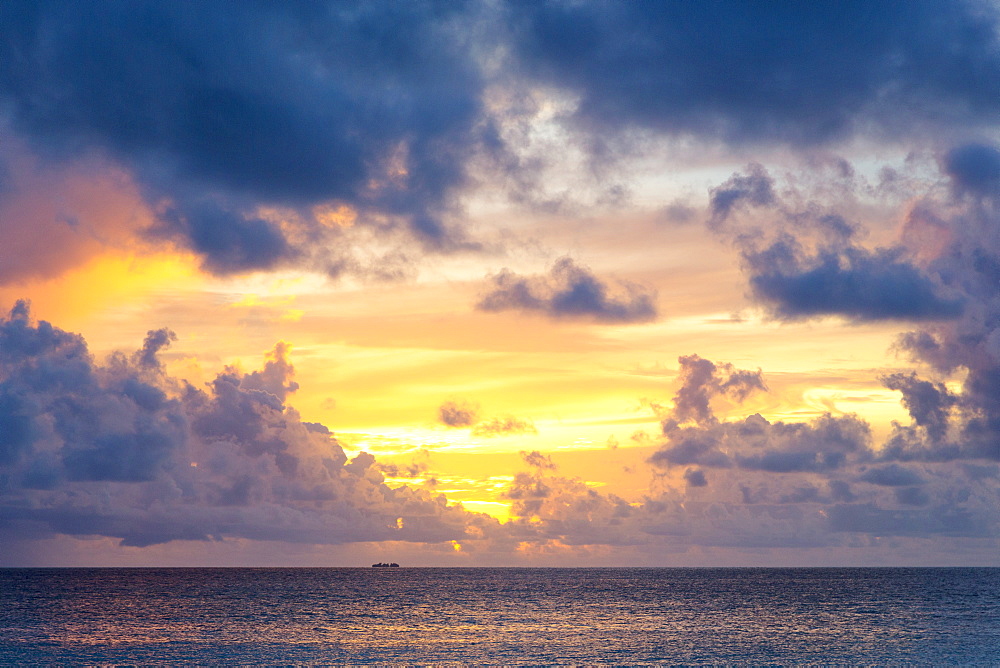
(384, 565)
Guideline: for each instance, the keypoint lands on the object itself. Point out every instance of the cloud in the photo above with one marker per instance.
(853, 282)
(892, 475)
(752, 510)
(756, 444)
(755, 189)
(121, 449)
(803, 257)
(252, 136)
(507, 425)
(695, 477)
(929, 404)
(537, 460)
(458, 414)
(569, 291)
(702, 379)
(818, 72)
(867, 518)
(798, 485)
(694, 436)
(276, 376)
(239, 124)
(546, 507)
(465, 414)
(230, 241)
(966, 423)
(941, 273)
(220, 110)
(974, 169)
(678, 212)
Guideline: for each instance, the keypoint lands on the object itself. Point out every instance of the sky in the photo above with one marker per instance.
(499, 283)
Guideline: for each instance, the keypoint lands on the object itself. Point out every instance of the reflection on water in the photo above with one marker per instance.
(847, 616)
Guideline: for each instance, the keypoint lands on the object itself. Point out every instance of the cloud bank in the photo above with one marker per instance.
(244, 125)
(123, 450)
(818, 72)
(756, 484)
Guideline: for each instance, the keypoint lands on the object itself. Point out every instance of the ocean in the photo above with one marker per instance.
(512, 616)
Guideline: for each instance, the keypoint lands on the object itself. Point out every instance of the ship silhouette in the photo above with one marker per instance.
(385, 565)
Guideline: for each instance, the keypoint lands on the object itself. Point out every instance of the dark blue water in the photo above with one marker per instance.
(496, 615)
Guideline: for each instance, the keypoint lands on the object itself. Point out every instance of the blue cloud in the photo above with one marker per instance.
(243, 104)
(800, 73)
(853, 282)
(974, 169)
(892, 475)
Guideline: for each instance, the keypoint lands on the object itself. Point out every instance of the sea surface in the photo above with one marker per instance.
(748, 616)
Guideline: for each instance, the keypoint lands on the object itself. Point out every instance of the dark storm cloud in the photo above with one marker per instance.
(974, 169)
(231, 241)
(121, 449)
(854, 283)
(569, 291)
(221, 108)
(802, 73)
